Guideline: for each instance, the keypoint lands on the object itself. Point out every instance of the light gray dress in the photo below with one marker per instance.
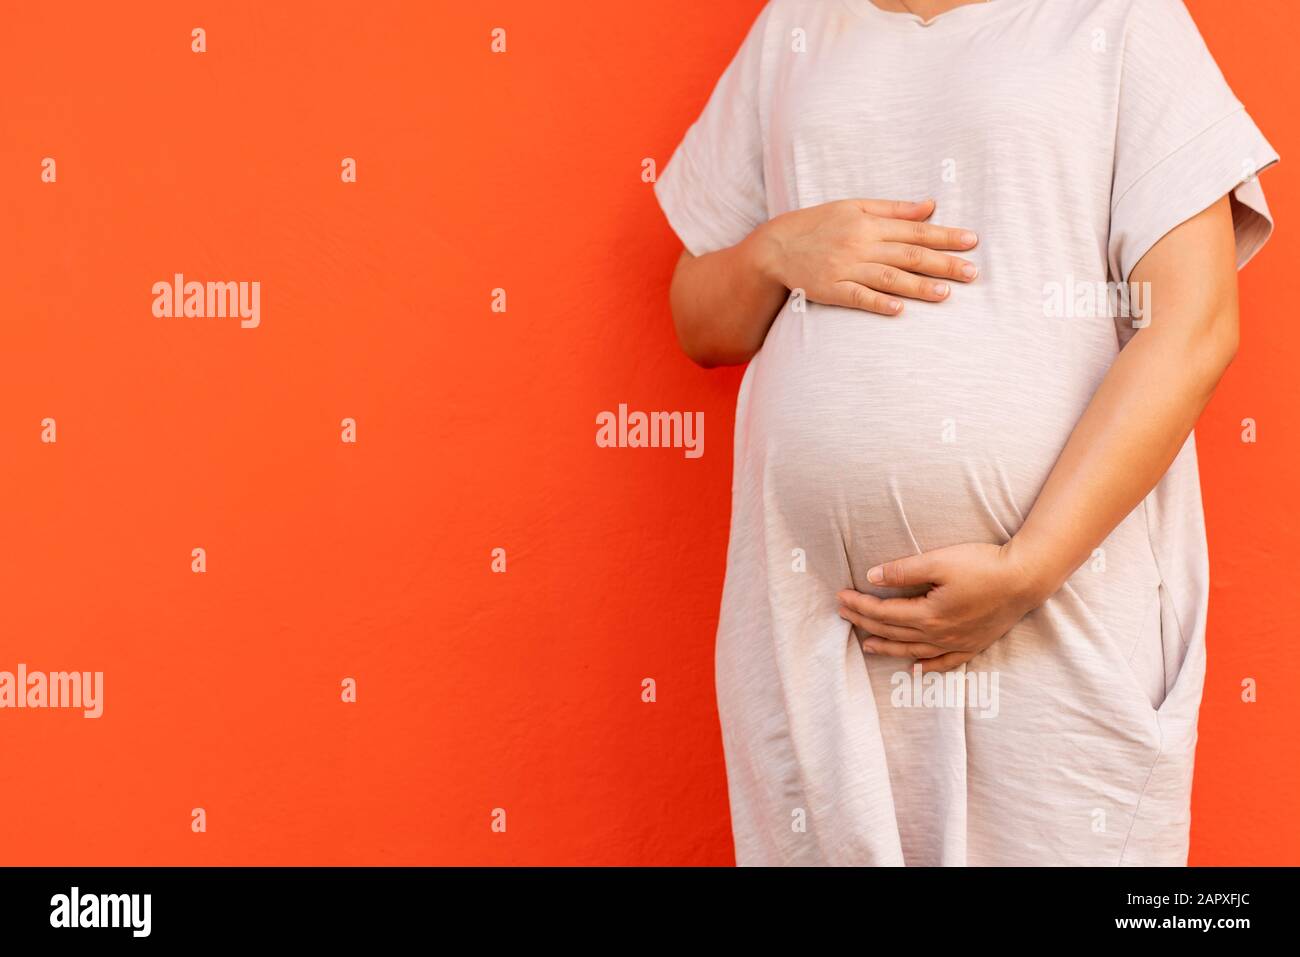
(1071, 135)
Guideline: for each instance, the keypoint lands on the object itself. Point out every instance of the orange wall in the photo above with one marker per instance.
(476, 430)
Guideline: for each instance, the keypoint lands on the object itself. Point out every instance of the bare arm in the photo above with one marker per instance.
(723, 304)
(1148, 403)
(862, 254)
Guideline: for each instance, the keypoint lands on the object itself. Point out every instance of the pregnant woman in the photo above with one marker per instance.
(965, 603)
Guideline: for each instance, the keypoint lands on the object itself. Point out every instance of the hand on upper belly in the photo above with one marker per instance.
(863, 253)
(978, 592)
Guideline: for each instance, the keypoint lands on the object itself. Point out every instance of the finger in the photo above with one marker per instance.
(912, 570)
(874, 645)
(880, 628)
(900, 612)
(897, 208)
(926, 262)
(949, 662)
(926, 234)
(890, 279)
(854, 295)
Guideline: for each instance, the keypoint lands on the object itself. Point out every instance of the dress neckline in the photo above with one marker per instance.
(967, 14)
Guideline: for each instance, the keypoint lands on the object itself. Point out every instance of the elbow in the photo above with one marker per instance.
(687, 336)
(687, 330)
(708, 339)
(1224, 338)
(1228, 350)
(701, 340)
(704, 360)
(693, 344)
(1214, 345)
(704, 344)
(1201, 346)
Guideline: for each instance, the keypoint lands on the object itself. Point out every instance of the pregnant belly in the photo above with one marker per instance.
(912, 433)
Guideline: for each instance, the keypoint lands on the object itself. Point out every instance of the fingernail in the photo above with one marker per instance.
(969, 271)
(969, 238)
(941, 289)
(877, 575)
(868, 649)
(895, 305)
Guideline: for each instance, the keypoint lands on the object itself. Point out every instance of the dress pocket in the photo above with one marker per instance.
(1156, 663)
(1144, 659)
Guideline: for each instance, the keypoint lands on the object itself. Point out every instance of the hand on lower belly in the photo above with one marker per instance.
(978, 592)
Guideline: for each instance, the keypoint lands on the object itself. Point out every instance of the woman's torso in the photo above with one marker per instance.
(940, 426)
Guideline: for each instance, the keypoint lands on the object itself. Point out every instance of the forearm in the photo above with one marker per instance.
(724, 302)
(1127, 439)
(1143, 411)
(864, 254)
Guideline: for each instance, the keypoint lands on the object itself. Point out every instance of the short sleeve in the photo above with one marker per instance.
(712, 190)
(1183, 140)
